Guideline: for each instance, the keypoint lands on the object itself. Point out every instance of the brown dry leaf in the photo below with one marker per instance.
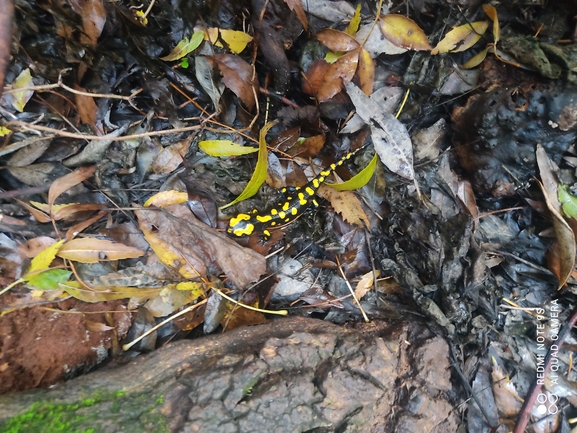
(170, 157)
(314, 76)
(39, 216)
(366, 283)
(366, 72)
(297, 7)
(336, 40)
(164, 198)
(237, 316)
(79, 228)
(461, 38)
(90, 250)
(97, 326)
(564, 234)
(238, 76)
(310, 147)
(338, 74)
(67, 213)
(507, 398)
(169, 300)
(93, 20)
(98, 294)
(68, 181)
(404, 32)
(347, 204)
(35, 246)
(211, 251)
(467, 196)
(86, 107)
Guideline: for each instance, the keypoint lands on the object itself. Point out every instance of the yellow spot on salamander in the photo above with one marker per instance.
(273, 212)
(285, 206)
(325, 173)
(316, 203)
(309, 190)
(240, 217)
(333, 166)
(287, 220)
(302, 199)
(273, 224)
(266, 233)
(244, 231)
(321, 179)
(263, 219)
(316, 183)
(282, 215)
(294, 211)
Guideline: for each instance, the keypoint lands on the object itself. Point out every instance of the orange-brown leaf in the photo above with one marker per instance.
(297, 7)
(93, 19)
(237, 75)
(366, 72)
(68, 181)
(314, 76)
(404, 32)
(86, 107)
(338, 74)
(336, 40)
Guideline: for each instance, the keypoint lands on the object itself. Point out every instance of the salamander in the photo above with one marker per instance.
(297, 200)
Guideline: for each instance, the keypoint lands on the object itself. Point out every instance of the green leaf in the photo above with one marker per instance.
(353, 26)
(259, 175)
(359, 180)
(568, 202)
(224, 148)
(50, 279)
(43, 260)
(185, 46)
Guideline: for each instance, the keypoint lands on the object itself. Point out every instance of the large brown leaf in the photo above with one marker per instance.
(339, 73)
(238, 76)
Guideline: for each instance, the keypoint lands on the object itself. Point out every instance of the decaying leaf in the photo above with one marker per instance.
(238, 76)
(194, 244)
(297, 7)
(99, 294)
(90, 250)
(225, 148)
(204, 74)
(404, 32)
(390, 137)
(93, 19)
(461, 38)
(564, 233)
(347, 204)
(164, 198)
(492, 13)
(366, 283)
(366, 72)
(66, 182)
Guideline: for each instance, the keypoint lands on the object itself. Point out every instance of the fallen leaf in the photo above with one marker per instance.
(347, 204)
(235, 39)
(204, 74)
(32, 247)
(366, 72)
(86, 107)
(238, 76)
(259, 175)
(19, 99)
(461, 38)
(366, 283)
(492, 13)
(297, 7)
(404, 32)
(314, 76)
(91, 250)
(43, 260)
(564, 234)
(49, 279)
(359, 180)
(337, 74)
(336, 40)
(93, 20)
(169, 300)
(225, 148)
(390, 137)
(355, 22)
(165, 198)
(568, 202)
(187, 45)
(68, 181)
(99, 294)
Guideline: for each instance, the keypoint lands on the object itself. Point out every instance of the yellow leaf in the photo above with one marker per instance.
(224, 148)
(164, 198)
(196, 289)
(461, 38)
(359, 180)
(475, 60)
(73, 288)
(366, 72)
(43, 259)
(353, 26)
(4, 131)
(347, 204)
(185, 46)
(259, 175)
(236, 40)
(19, 99)
(404, 32)
(46, 208)
(90, 250)
(492, 13)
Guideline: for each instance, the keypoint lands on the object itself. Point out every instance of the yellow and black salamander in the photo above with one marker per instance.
(297, 200)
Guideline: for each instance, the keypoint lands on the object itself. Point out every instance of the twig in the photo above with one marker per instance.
(352, 292)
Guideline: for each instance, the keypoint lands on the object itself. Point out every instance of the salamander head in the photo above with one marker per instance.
(241, 225)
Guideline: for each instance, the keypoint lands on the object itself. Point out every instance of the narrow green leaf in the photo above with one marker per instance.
(359, 180)
(50, 279)
(568, 202)
(185, 46)
(353, 26)
(259, 175)
(224, 148)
